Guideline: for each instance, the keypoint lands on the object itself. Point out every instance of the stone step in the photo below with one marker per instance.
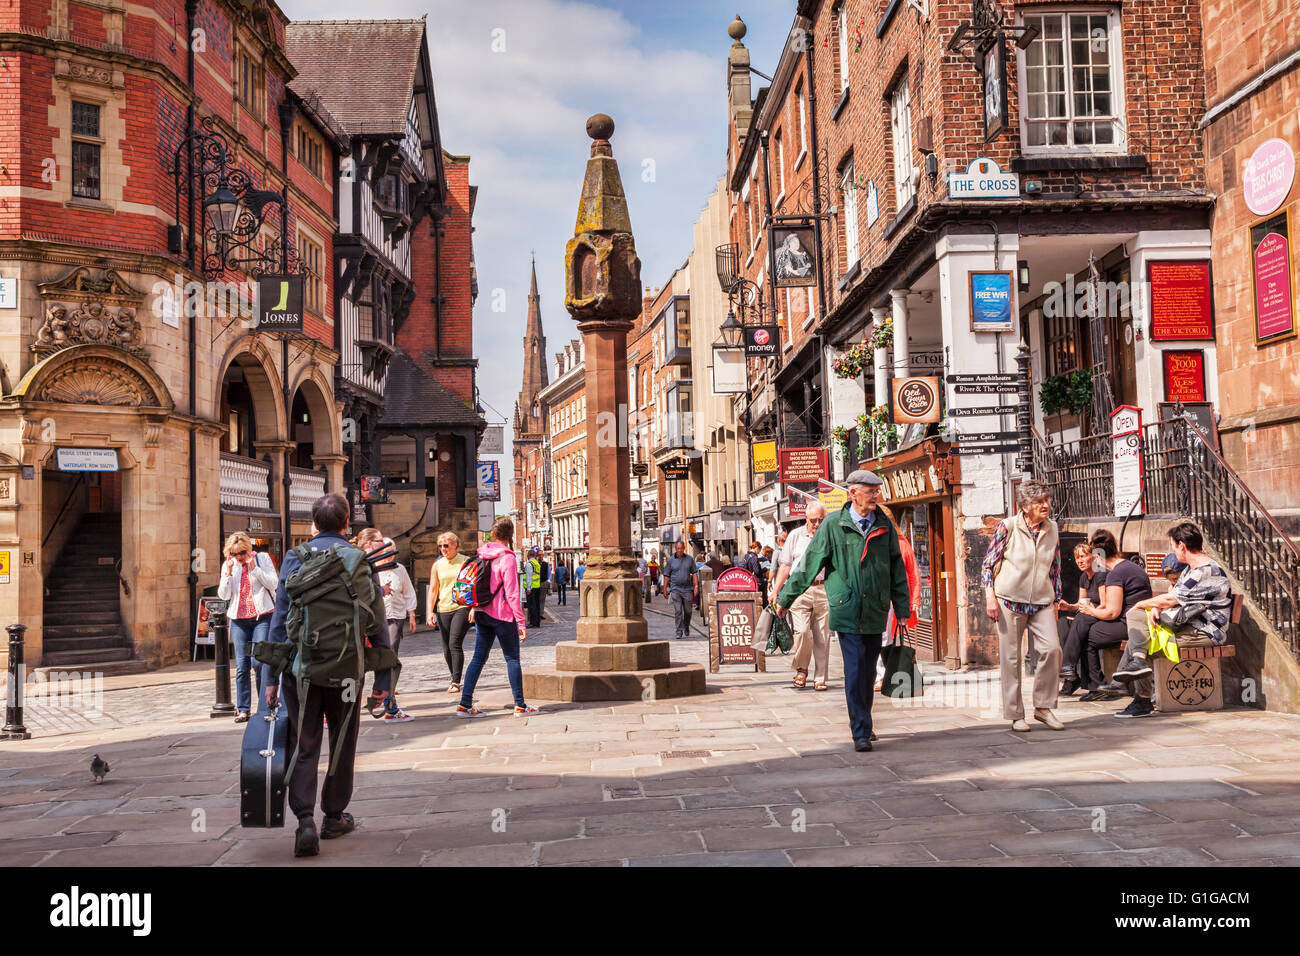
(87, 660)
(55, 645)
(108, 616)
(105, 668)
(81, 630)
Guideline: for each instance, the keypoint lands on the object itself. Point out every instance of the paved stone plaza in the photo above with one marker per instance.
(754, 772)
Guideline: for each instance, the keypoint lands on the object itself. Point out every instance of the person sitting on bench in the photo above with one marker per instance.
(1198, 608)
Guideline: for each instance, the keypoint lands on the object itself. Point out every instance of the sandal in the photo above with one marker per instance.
(453, 688)
(801, 677)
(820, 685)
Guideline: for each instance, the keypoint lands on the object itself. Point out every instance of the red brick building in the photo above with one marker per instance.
(132, 346)
(1076, 162)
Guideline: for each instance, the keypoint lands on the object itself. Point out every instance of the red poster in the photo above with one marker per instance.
(803, 464)
(1182, 301)
(1184, 375)
(1270, 246)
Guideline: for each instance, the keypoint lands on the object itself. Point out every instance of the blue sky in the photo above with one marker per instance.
(658, 68)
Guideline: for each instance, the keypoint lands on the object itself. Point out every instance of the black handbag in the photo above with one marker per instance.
(902, 672)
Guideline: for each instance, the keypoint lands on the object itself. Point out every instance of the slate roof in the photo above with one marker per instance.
(363, 70)
(414, 397)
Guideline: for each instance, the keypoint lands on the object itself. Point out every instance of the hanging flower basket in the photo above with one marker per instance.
(851, 364)
(840, 435)
(883, 336)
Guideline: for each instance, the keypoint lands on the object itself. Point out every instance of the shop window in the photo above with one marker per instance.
(1072, 82)
(86, 148)
(1063, 336)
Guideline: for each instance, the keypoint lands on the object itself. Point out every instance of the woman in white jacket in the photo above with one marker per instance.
(399, 605)
(248, 582)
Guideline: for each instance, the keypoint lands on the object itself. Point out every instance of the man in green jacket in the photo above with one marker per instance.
(858, 547)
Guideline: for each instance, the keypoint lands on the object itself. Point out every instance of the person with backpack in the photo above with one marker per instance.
(451, 617)
(399, 602)
(327, 590)
(498, 616)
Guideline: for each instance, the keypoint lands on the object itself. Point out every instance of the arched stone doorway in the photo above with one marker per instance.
(250, 409)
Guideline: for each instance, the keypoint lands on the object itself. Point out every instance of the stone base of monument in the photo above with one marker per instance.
(659, 683)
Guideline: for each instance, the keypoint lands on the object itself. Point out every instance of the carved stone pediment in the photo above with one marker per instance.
(81, 283)
(82, 308)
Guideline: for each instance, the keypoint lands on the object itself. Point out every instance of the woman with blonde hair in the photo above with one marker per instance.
(248, 583)
(451, 619)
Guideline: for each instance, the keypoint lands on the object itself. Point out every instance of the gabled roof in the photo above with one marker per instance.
(363, 70)
(414, 397)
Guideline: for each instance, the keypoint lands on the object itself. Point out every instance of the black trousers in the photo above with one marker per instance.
(322, 702)
(1102, 634)
(535, 607)
(1073, 632)
(452, 625)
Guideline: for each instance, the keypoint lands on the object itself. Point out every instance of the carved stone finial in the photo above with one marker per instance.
(737, 29)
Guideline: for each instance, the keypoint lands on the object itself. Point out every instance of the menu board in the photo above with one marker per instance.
(1184, 375)
(1182, 301)
(1270, 263)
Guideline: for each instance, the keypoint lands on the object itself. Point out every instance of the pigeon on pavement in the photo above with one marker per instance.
(98, 768)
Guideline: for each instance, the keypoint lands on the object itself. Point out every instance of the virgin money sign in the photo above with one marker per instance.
(761, 341)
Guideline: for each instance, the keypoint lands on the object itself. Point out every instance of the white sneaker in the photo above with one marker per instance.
(470, 711)
(525, 710)
(400, 717)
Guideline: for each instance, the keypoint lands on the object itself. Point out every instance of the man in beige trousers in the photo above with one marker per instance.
(809, 614)
(1022, 585)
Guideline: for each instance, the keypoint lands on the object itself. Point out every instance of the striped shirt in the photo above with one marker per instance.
(1206, 593)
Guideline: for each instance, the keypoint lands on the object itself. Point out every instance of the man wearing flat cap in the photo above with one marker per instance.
(858, 549)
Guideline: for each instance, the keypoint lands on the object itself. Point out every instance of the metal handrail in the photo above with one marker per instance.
(1184, 474)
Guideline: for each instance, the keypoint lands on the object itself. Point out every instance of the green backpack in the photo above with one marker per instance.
(331, 595)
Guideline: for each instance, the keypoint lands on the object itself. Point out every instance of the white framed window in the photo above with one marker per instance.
(803, 121)
(849, 203)
(1073, 82)
(780, 169)
(842, 27)
(900, 124)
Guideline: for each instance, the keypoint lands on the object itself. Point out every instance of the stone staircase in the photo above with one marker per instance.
(82, 621)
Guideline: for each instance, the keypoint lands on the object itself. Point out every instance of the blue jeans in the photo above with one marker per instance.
(860, 653)
(245, 632)
(490, 629)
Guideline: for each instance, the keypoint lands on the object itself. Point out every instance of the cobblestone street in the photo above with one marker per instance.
(754, 772)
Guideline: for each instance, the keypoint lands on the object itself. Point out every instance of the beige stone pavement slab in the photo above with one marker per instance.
(589, 784)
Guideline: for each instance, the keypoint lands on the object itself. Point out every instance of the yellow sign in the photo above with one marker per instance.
(832, 496)
(4, 566)
(764, 456)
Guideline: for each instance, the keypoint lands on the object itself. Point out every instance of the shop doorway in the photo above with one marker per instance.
(923, 527)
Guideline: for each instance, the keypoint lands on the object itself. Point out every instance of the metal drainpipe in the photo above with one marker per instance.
(191, 10)
(287, 112)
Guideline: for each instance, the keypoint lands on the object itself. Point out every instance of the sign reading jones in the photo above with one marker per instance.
(279, 303)
(803, 464)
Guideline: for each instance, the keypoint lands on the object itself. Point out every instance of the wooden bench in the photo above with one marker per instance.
(1196, 681)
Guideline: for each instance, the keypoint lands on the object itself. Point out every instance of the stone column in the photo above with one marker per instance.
(611, 658)
(880, 361)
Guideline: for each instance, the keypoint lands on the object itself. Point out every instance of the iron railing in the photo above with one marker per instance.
(1182, 474)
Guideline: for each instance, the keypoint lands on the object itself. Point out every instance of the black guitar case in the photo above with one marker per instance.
(261, 770)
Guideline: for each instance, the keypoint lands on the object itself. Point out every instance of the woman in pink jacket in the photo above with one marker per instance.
(500, 620)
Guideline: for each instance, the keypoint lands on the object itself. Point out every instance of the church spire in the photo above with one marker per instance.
(535, 375)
